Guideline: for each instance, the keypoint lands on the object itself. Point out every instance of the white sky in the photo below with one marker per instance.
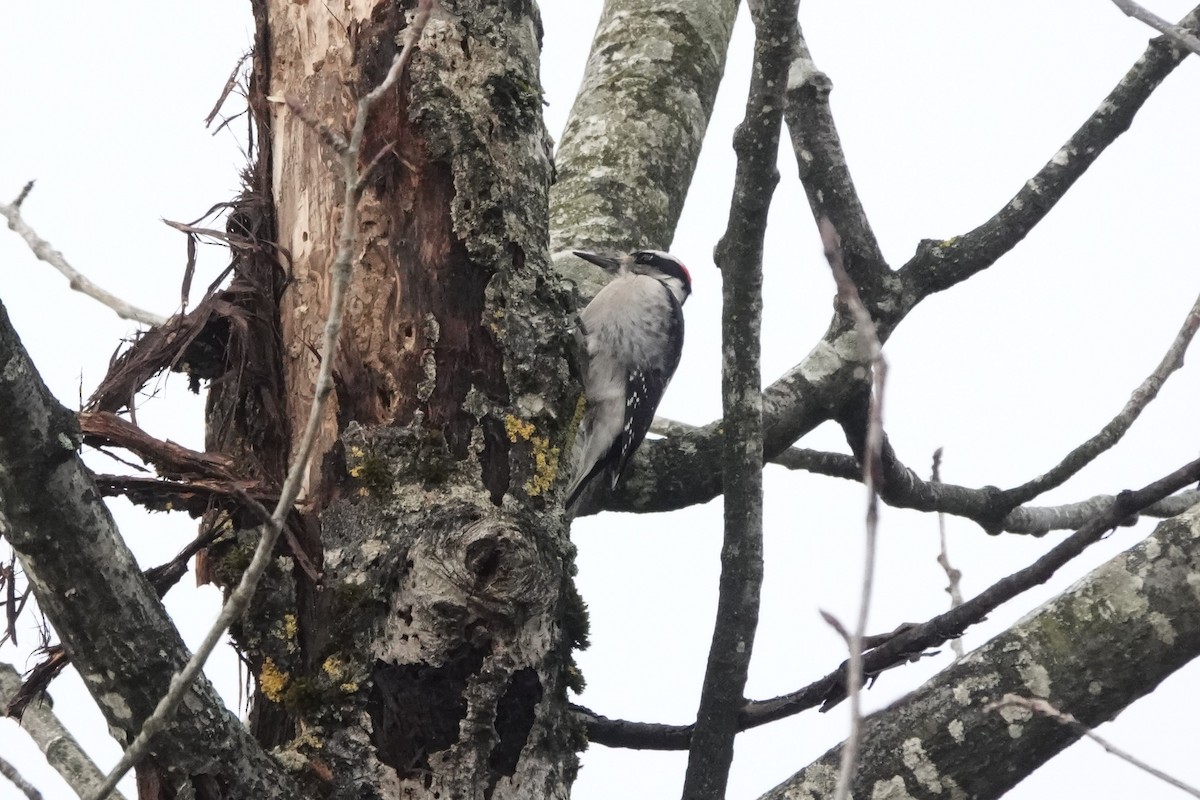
(945, 108)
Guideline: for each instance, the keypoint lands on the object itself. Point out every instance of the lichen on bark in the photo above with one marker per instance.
(433, 654)
(1091, 652)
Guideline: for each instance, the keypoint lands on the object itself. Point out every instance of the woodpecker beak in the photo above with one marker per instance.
(607, 264)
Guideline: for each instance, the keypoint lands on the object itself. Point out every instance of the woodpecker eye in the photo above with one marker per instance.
(665, 263)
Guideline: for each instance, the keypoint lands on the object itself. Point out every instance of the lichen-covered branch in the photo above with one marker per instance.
(89, 586)
(626, 158)
(673, 473)
(55, 741)
(909, 641)
(1128, 625)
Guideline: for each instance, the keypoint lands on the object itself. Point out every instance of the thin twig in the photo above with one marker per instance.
(239, 599)
(225, 91)
(1111, 433)
(79, 282)
(1037, 705)
(953, 576)
(1178, 34)
(18, 780)
(872, 471)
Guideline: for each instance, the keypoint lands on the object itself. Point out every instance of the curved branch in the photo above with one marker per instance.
(79, 282)
(1111, 433)
(937, 266)
(825, 174)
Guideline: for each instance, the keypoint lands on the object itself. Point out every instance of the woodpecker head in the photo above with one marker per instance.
(663, 267)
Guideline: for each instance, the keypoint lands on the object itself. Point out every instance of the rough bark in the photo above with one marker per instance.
(1092, 651)
(90, 588)
(431, 658)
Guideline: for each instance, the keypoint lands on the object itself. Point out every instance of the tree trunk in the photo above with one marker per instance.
(430, 657)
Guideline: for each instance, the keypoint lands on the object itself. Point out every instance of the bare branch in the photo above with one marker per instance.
(1111, 433)
(240, 598)
(1138, 12)
(938, 265)
(909, 642)
(79, 282)
(953, 576)
(739, 255)
(904, 489)
(1043, 707)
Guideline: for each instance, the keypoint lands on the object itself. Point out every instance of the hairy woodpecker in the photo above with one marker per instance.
(632, 336)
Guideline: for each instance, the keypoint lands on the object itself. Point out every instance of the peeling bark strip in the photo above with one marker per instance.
(927, 745)
(431, 659)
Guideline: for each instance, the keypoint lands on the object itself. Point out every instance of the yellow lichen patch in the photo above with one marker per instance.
(576, 418)
(290, 629)
(356, 458)
(334, 667)
(272, 681)
(517, 428)
(545, 466)
(350, 688)
(306, 738)
(545, 457)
